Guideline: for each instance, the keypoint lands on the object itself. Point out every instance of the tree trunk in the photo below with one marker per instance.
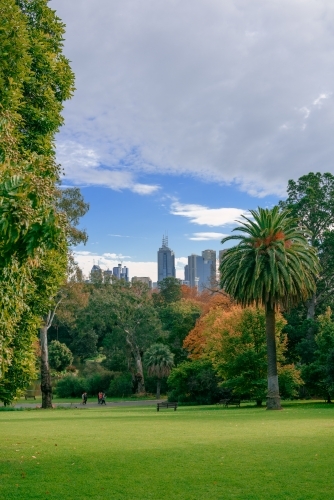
(310, 304)
(158, 388)
(46, 386)
(273, 397)
(140, 371)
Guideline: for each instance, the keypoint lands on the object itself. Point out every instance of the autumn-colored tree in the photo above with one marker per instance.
(196, 340)
(234, 340)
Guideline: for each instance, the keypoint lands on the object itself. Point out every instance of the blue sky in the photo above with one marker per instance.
(187, 114)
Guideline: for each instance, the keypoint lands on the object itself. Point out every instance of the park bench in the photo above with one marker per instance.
(230, 401)
(166, 404)
(30, 394)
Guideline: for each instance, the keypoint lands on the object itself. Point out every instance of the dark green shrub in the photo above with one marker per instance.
(71, 387)
(121, 386)
(151, 385)
(99, 382)
(195, 382)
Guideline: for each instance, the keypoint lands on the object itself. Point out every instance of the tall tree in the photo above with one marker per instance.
(159, 361)
(35, 79)
(272, 265)
(311, 201)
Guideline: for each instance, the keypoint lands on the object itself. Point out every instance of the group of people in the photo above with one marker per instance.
(101, 398)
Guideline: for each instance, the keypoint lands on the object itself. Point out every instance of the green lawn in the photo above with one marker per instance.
(193, 453)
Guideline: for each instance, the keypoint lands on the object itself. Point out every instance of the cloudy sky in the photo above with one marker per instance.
(188, 113)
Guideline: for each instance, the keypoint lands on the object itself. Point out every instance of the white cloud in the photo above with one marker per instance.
(200, 88)
(207, 236)
(199, 214)
(83, 166)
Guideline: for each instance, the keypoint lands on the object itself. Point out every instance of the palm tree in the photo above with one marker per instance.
(159, 362)
(273, 265)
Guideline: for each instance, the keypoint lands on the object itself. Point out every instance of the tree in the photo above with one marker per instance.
(53, 280)
(194, 382)
(234, 340)
(169, 291)
(178, 318)
(311, 201)
(60, 356)
(35, 79)
(159, 361)
(318, 375)
(123, 318)
(273, 265)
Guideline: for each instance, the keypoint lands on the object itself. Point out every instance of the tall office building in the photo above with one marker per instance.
(166, 261)
(122, 273)
(212, 256)
(199, 271)
(186, 273)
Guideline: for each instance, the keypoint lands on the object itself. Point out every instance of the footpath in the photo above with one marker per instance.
(76, 404)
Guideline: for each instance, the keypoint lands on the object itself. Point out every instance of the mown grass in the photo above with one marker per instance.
(193, 453)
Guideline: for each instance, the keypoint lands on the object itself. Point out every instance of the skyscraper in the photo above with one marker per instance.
(212, 256)
(166, 261)
(122, 273)
(199, 271)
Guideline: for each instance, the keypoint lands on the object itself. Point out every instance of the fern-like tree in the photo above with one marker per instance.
(159, 361)
(272, 265)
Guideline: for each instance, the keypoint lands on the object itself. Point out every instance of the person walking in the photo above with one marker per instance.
(103, 400)
(84, 398)
(99, 398)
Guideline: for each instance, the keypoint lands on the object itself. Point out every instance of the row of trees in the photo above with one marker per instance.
(37, 219)
(217, 341)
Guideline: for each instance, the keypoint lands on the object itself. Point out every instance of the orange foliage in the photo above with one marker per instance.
(196, 340)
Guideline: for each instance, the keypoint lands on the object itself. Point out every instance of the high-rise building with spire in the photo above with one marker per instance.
(166, 261)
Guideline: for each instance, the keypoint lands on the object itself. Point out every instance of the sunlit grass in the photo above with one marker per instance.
(193, 453)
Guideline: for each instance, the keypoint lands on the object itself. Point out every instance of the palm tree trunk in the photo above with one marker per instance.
(273, 397)
(46, 386)
(158, 388)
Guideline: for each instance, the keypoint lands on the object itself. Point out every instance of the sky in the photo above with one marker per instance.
(187, 114)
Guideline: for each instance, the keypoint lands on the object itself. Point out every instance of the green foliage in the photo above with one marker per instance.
(71, 203)
(194, 382)
(273, 263)
(311, 201)
(60, 356)
(289, 381)
(169, 291)
(178, 319)
(159, 360)
(121, 386)
(318, 375)
(35, 79)
(71, 387)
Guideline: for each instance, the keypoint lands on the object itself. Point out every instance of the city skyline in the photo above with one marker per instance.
(184, 118)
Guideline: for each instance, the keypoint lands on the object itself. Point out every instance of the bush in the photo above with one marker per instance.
(60, 356)
(99, 382)
(289, 381)
(71, 387)
(121, 386)
(194, 382)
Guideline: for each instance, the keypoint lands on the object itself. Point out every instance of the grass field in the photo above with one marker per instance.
(193, 453)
